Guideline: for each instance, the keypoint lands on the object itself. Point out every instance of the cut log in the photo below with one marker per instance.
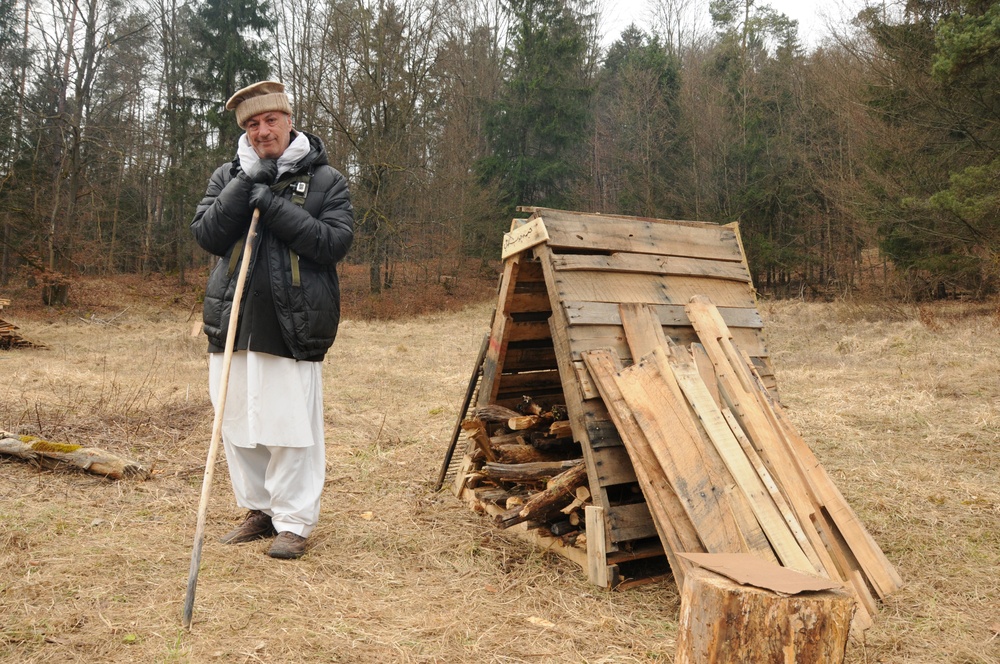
(723, 621)
(522, 454)
(582, 498)
(499, 439)
(531, 407)
(558, 492)
(561, 429)
(522, 422)
(527, 472)
(547, 443)
(494, 413)
(54, 455)
(560, 528)
(491, 495)
(477, 432)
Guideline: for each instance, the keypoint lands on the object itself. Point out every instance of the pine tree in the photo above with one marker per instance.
(934, 168)
(232, 57)
(537, 130)
(638, 143)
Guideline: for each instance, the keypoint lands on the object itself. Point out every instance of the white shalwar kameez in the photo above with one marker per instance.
(272, 431)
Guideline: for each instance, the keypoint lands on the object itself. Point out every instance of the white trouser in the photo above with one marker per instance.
(272, 432)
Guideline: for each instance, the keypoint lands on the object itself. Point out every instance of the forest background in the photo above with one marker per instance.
(867, 162)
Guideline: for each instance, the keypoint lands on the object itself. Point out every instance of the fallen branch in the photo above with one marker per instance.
(53, 455)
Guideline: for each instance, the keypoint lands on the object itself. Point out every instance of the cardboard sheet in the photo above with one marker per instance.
(750, 571)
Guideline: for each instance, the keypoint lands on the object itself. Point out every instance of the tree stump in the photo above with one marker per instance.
(722, 621)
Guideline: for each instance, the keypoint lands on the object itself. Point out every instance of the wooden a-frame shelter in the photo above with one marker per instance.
(565, 274)
(637, 348)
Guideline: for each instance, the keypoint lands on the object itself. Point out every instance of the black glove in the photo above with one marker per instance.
(260, 197)
(264, 171)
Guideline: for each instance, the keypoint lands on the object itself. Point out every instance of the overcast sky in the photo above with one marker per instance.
(812, 15)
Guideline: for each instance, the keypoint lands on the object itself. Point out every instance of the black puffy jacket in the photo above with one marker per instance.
(298, 284)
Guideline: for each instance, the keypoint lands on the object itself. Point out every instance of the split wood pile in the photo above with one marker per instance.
(61, 455)
(525, 467)
(9, 337)
(722, 468)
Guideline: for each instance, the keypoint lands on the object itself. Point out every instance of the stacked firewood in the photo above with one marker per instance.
(528, 464)
(9, 338)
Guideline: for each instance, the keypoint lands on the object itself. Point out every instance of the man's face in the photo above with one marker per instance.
(269, 133)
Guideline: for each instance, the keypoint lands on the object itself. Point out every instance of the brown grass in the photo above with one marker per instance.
(902, 409)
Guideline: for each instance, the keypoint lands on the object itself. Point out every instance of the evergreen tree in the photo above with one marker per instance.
(537, 130)
(10, 71)
(756, 172)
(11, 59)
(234, 54)
(638, 142)
(935, 167)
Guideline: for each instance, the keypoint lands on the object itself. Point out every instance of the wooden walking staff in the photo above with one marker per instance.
(220, 407)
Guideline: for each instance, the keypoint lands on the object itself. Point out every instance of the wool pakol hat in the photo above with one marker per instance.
(259, 98)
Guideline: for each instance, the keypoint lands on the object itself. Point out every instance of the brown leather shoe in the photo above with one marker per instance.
(255, 526)
(288, 546)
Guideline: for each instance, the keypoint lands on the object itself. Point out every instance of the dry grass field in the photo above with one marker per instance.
(901, 404)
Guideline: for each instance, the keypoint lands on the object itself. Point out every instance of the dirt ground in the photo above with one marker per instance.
(901, 404)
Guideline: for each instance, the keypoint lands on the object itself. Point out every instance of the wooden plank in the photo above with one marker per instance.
(654, 264)
(613, 467)
(848, 568)
(597, 546)
(678, 451)
(630, 234)
(524, 236)
(532, 330)
(577, 412)
(582, 338)
(643, 551)
(643, 331)
(631, 522)
(782, 446)
(602, 432)
(530, 302)
(880, 572)
(647, 289)
(499, 334)
(587, 388)
(707, 371)
(876, 566)
(811, 548)
(788, 547)
(672, 523)
(606, 313)
(530, 381)
(530, 276)
(645, 336)
(528, 355)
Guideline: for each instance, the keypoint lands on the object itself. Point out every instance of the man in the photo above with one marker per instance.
(272, 427)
